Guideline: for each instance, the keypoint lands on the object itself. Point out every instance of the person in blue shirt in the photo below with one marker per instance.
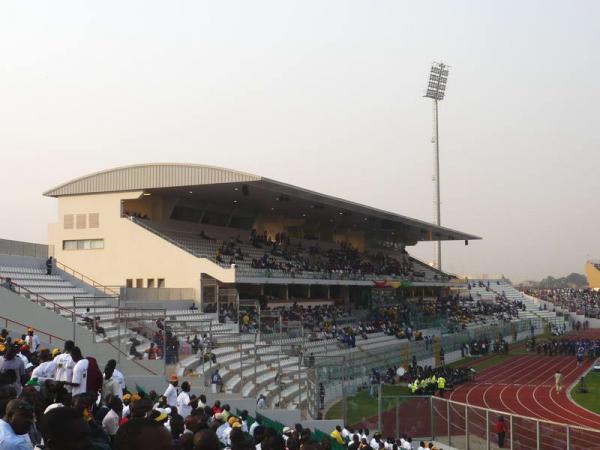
(217, 381)
(15, 425)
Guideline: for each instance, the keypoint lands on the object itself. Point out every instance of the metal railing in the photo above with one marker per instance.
(51, 337)
(69, 314)
(80, 276)
(461, 425)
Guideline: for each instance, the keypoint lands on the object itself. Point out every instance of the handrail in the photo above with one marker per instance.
(85, 279)
(51, 336)
(37, 296)
(55, 305)
(509, 414)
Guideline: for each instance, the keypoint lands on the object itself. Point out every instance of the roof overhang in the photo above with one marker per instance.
(178, 178)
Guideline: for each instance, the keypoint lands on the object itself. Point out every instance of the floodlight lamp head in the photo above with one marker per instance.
(436, 85)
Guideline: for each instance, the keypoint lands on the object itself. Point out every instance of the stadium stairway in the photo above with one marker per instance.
(18, 310)
(51, 302)
(257, 368)
(499, 287)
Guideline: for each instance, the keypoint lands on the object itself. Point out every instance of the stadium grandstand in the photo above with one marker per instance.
(592, 270)
(280, 302)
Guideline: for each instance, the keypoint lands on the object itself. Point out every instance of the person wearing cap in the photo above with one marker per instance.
(228, 431)
(32, 340)
(287, 432)
(171, 391)
(15, 425)
(12, 362)
(126, 403)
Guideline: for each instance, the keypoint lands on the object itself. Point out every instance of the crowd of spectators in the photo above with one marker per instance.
(344, 261)
(58, 400)
(581, 301)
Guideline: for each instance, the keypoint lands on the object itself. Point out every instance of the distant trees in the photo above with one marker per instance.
(574, 280)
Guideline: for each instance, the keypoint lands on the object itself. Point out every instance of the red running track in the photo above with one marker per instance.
(524, 386)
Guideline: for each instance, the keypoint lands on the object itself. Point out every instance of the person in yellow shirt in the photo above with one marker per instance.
(441, 382)
(337, 435)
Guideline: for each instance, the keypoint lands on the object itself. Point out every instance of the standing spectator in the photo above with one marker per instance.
(217, 381)
(501, 430)
(80, 371)
(117, 375)
(32, 340)
(11, 362)
(64, 365)
(184, 402)
(261, 403)
(49, 264)
(171, 391)
(110, 423)
(110, 386)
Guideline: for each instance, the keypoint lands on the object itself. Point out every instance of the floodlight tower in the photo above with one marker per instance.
(436, 88)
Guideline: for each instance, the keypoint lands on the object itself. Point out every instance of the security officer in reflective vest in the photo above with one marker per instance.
(441, 382)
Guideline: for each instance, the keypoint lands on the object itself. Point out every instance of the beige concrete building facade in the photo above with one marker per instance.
(103, 225)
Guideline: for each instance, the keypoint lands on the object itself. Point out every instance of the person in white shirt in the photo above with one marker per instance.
(184, 402)
(117, 375)
(110, 386)
(405, 442)
(79, 380)
(171, 391)
(47, 367)
(15, 425)
(32, 340)
(374, 443)
(64, 365)
(262, 402)
(24, 358)
(110, 423)
(422, 446)
(346, 434)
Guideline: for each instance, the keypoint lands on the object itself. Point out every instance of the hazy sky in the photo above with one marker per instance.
(326, 95)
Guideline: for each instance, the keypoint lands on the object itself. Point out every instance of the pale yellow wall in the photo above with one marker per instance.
(130, 251)
(593, 275)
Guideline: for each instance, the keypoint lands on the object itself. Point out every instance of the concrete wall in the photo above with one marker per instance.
(24, 311)
(19, 248)
(130, 251)
(157, 294)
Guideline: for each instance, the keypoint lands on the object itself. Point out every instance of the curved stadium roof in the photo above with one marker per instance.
(169, 176)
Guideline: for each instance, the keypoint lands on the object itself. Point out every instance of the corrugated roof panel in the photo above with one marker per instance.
(149, 176)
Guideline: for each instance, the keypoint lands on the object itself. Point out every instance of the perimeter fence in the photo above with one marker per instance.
(456, 425)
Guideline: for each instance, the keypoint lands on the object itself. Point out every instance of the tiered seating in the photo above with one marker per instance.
(208, 242)
(503, 287)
